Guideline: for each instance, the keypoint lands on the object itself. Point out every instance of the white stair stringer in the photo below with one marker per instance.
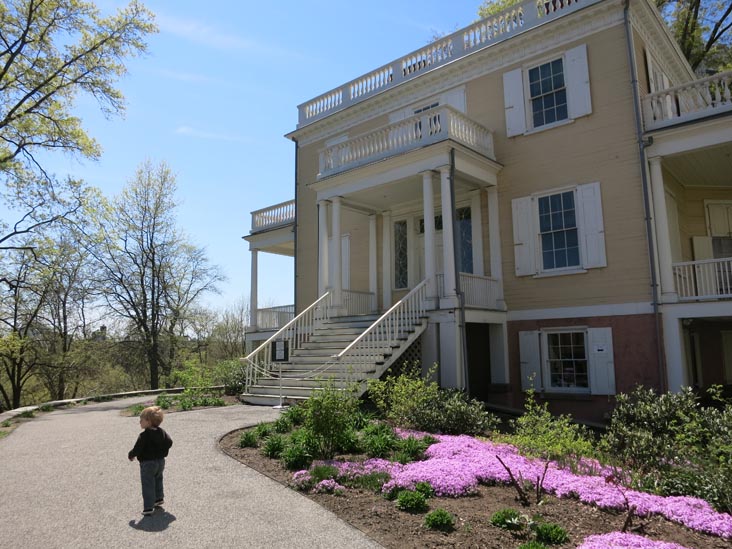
(345, 352)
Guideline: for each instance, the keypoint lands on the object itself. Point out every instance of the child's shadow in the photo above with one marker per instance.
(153, 523)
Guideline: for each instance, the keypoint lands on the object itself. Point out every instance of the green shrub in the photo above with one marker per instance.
(508, 519)
(550, 533)
(296, 456)
(439, 519)
(533, 544)
(46, 408)
(411, 502)
(28, 414)
(273, 446)
(412, 401)
(373, 482)
(378, 440)
(323, 472)
(539, 433)
(164, 400)
(232, 375)
(329, 417)
(296, 414)
(282, 425)
(5, 423)
(263, 430)
(425, 488)
(411, 448)
(136, 410)
(248, 439)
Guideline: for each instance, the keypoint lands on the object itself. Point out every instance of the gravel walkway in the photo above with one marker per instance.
(67, 483)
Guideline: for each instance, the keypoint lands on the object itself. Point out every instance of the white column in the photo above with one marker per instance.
(448, 243)
(430, 268)
(663, 238)
(494, 240)
(253, 292)
(386, 260)
(476, 222)
(372, 260)
(337, 282)
(322, 247)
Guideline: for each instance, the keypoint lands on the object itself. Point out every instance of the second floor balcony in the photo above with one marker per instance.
(406, 135)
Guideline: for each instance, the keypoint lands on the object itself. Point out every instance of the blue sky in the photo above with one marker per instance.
(218, 90)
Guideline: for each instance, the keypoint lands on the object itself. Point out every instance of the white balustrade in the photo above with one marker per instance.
(409, 134)
(358, 303)
(273, 216)
(706, 279)
(479, 291)
(697, 99)
(514, 20)
(293, 334)
(271, 318)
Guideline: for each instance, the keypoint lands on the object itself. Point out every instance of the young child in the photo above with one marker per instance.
(151, 450)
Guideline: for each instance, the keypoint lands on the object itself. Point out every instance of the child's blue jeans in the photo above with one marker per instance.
(151, 476)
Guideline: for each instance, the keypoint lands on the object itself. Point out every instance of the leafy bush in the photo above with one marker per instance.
(164, 400)
(282, 425)
(550, 533)
(296, 456)
(412, 401)
(439, 519)
(508, 519)
(296, 414)
(372, 482)
(273, 446)
(248, 439)
(323, 472)
(263, 430)
(136, 410)
(379, 440)
(232, 375)
(28, 414)
(539, 433)
(425, 488)
(411, 502)
(329, 417)
(411, 448)
(674, 446)
(45, 408)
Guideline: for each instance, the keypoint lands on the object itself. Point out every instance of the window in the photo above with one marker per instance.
(548, 92)
(401, 258)
(465, 234)
(559, 232)
(568, 360)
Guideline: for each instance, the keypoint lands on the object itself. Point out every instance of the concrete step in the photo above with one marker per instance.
(270, 400)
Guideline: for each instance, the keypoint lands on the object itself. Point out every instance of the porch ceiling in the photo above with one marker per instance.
(708, 167)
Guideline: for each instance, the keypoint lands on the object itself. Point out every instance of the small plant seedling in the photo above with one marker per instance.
(411, 502)
(439, 519)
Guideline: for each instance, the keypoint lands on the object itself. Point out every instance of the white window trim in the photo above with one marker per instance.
(545, 369)
(530, 128)
(539, 258)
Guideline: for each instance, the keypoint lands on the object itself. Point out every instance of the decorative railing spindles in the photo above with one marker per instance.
(273, 216)
(705, 279)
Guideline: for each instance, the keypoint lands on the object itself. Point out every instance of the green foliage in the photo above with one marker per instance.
(323, 472)
(411, 502)
(539, 433)
(273, 446)
(46, 408)
(550, 533)
(296, 456)
(379, 440)
(439, 519)
(296, 414)
(164, 400)
(263, 430)
(28, 414)
(283, 424)
(136, 410)
(372, 482)
(5, 423)
(412, 401)
(329, 417)
(425, 488)
(248, 439)
(493, 7)
(508, 519)
(232, 375)
(533, 544)
(674, 446)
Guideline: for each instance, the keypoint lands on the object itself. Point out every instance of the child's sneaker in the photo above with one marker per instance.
(160, 503)
(148, 512)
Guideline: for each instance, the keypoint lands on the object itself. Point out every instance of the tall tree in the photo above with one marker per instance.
(50, 52)
(151, 274)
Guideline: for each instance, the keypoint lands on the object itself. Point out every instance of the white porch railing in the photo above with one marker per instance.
(358, 303)
(293, 334)
(271, 318)
(705, 97)
(273, 216)
(482, 34)
(705, 279)
(480, 291)
(408, 134)
(386, 334)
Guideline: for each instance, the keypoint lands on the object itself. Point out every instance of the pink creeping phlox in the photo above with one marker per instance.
(328, 486)
(619, 540)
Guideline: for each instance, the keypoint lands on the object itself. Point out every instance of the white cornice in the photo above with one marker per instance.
(515, 50)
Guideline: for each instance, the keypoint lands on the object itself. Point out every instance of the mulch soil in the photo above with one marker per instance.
(379, 518)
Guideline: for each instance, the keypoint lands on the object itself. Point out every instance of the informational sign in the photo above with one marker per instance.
(280, 351)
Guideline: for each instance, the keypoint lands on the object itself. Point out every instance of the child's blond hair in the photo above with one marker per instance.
(153, 415)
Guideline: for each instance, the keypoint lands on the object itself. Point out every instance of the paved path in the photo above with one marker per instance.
(66, 482)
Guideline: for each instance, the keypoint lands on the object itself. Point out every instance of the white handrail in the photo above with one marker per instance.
(294, 334)
(358, 302)
(703, 279)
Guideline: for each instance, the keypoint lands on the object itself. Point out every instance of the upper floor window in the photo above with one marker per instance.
(558, 231)
(401, 258)
(548, 93)
(551, 92)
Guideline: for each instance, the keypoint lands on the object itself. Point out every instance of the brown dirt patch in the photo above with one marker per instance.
(382, 521)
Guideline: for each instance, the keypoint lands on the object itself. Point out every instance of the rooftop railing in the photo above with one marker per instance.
(492, 30)
(273, 216)
(693, 100)
(411, 133)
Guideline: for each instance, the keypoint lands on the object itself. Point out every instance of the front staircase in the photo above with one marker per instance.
(346, 351)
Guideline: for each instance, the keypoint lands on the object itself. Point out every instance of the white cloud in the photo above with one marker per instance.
(210, 136)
